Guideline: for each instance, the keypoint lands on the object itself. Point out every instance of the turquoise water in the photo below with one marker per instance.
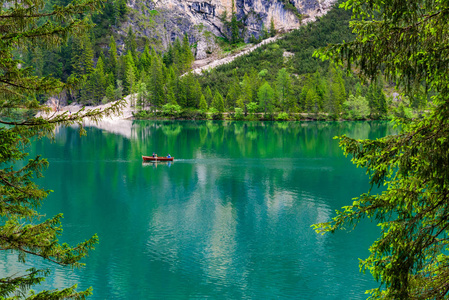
(228, 219)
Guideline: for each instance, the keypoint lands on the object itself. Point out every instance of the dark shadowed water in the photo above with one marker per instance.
(228, 219)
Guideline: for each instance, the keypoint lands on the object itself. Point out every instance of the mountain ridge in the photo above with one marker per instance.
(165, 20)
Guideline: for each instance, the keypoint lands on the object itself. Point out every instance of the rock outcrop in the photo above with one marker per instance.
(162, 21)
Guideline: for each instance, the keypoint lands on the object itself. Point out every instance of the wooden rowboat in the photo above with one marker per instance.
(159, 158)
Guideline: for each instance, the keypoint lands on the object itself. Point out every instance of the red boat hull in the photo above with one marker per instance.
(159, 158)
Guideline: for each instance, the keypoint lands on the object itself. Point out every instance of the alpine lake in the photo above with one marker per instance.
(229, 218)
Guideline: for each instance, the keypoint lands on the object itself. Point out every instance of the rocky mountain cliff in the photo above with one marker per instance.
(162, 21)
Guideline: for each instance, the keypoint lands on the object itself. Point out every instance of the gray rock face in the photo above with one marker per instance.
(163, 21)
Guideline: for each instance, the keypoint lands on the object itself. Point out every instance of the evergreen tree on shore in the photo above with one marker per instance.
(407, 43)
(265, 95)
(272, 28)
(22, 231)
(218, 102)
(113, 58)
(235, 35)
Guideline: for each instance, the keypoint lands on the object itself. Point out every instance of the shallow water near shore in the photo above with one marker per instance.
(228, 219)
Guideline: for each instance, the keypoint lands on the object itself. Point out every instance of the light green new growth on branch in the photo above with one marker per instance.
(407, 41)
(22, 232)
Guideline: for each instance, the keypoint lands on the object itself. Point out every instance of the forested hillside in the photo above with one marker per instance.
(278, 80)
(285, 77)
(104, 65)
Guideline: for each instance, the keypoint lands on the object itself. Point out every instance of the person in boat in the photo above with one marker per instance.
(168, 156)
(154, 155)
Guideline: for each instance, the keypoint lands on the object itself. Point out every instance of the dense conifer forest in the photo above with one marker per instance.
(280, 80)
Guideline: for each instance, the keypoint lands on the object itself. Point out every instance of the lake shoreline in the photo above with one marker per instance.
(130, 112)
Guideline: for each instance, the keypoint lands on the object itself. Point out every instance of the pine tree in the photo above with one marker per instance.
(110, 95)
(121, 7)
(203, 103)
(121, 68)
(145, 59)
(233, 91)
(130, 73)
(118, 92)
(186, 54)
(177, 55)
(218, 102)
(113, 58)
(265, 95)
(83, 55)
(246, 93)
(99, 81)
(337, 93)
(130, 42)
(197, 92)
(235, 35)
(208, 95)
(142, 94)
(83, 67)
(168, 56)
(115, 11)
(22, 231)
(406, 40)
(372, 99)
(170, 86)
(180, 92)
(272, 28)
(382, 106)
(311, 101)
(191, 90)
(283, 83)
(38, 61)
(110, 79)
(264, 32)
(156, 84)
(255, 83)
(170, 96)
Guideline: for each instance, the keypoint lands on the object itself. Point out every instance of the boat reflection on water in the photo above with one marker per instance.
(154, 164)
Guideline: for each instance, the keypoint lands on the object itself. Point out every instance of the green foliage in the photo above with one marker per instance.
(130, 73)
(218, 102)
(337, 93)
(130, 42)
(252, 107)
(292, 78)
(22, 230)
(179, 55)
(403, 111)
(142, 94)
(283, 84)
(203, 104)
(142, 114)
(377, 101)
(110, 95)
(238, 115)
(232, 27)
(171, 110)
(331, 28)
(263, 73)
(357, 107)
(235, 35)
(208, 96)
(266, 95)
(192, 114)
(272, 28)
(187, 55)
(407, 42)
(283, 116)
